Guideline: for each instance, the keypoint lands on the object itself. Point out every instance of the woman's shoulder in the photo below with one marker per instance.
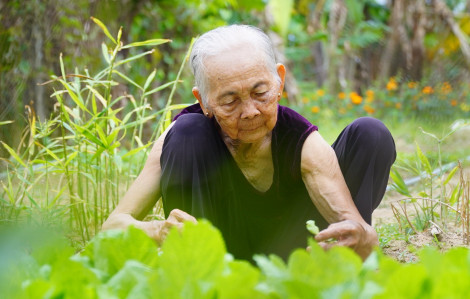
(290, 119)
(194, 108)
(290, 133)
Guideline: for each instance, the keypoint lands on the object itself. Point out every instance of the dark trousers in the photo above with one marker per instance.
(193, 160)
(366, 152)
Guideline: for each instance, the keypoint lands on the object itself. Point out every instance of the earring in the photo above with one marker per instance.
(207, 114)
(279, 94)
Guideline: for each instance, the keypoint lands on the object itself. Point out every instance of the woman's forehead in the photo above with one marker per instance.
(236, 65)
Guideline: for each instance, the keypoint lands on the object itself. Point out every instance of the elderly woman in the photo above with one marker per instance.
(257, 170)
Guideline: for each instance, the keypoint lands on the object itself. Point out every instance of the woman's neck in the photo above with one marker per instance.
(254, 160)
(248, 152)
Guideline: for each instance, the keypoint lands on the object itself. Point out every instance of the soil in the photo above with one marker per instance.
(403, 246)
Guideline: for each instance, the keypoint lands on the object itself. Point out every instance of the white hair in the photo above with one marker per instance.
(222, 39)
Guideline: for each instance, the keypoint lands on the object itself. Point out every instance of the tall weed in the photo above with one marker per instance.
(72, 168)
(436, 199)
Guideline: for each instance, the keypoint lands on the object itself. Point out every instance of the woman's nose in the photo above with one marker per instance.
(249, 109)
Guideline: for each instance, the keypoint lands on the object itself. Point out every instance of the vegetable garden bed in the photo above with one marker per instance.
(194, 264)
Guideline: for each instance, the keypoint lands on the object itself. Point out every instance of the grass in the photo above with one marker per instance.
(439, 201)
(423, 146)
(73, 168)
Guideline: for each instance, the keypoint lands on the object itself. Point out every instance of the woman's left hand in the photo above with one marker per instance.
(361, 237)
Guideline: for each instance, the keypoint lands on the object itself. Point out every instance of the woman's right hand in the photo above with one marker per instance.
(159, 229)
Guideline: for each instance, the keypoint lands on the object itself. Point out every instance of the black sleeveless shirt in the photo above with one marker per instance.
(254, 222)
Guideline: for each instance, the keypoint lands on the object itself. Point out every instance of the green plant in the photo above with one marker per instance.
(433, 187)
(76, 164)
(389, 232)
(312, 227)
(193, 263)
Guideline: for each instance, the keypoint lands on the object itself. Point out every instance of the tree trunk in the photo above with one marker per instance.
(38, 37)
(417, 43)
(318, 47)
(441, 8)
(392, 40)
(338, 14)
(321, 62)
(405, 42)
(408, 29)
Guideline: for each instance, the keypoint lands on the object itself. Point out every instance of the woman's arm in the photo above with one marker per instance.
(328, 190)
(142, 196)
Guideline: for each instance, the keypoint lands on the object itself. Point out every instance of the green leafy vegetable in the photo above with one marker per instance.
(312, 227)
(193, 263)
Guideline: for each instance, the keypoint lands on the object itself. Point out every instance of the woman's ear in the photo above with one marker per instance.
(281, 71)
(198, 96)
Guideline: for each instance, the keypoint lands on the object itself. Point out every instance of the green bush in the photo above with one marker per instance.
(396, 100)
(194, 263)
(73, 168)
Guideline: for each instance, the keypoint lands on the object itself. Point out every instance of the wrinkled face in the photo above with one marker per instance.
(243, 94)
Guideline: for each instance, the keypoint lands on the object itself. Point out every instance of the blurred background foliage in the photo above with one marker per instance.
(346, 57)
(71, 147)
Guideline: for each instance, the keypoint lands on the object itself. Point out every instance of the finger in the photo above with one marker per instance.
(338, 231)
(182, 216)
(169, 224)
(349, 242)
(329, 233)
(327, 245)
(343, 240)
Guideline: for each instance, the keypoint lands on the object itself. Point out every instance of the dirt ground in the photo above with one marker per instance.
(403, 246)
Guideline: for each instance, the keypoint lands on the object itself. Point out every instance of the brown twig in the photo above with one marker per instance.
(463, 206)
(465, 210)
(407, 219)
(428, 199)
(397, 216)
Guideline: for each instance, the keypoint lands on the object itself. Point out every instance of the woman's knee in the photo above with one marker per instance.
(373, 132)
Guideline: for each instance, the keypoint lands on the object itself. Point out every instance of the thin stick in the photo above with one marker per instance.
(407, 219)
(397, 216)
(428, 199)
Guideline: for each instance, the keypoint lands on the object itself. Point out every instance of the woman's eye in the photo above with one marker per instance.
(229, 102)
(259, 94)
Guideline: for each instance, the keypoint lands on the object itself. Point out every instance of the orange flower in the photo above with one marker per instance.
(341, 95)
(369, 96)
(315, 109)
(453, 102)
(398, 105)
(355, 98)
(285, 95)
(428, 90)
(412, 84)
(446, 88)
(369, 109)
(392, 84)
(305, 100)
(320, 92)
